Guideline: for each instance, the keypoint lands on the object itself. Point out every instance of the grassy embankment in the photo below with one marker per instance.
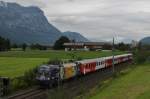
(15, 63)
(131, 83)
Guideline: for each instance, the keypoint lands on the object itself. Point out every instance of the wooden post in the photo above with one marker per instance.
(113, 64)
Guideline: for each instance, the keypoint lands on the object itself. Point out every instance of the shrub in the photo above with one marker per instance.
(142, 56)
(24, 81)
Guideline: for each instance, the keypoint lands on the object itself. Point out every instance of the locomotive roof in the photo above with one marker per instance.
(69, 64)
(49, 66)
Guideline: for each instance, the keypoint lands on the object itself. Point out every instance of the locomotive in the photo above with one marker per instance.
(50, 75)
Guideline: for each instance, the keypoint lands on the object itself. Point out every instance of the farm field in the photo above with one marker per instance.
(135, 84)
(15, 63)
(13, 67)
(51, 54)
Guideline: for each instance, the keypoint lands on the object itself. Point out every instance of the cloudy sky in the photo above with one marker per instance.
(98, 19)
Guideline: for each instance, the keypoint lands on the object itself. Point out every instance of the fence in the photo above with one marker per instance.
(4, 85)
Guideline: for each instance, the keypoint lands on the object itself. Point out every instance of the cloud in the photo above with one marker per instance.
(98, 19)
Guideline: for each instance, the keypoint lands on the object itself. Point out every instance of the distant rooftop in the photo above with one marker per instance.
(86, 44)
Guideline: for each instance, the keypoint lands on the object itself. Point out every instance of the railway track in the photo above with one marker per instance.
(35, 93)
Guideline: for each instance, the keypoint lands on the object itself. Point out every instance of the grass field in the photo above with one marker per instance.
(15, 63)
(56, 54)
(135, 84)
(13, 67)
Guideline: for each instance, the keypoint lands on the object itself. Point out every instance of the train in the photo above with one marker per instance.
(50, 75)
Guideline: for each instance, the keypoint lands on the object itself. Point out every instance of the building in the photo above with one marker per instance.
(84, 46)
(134, 44)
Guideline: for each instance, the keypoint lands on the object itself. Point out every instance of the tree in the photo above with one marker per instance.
(122, 46)
(4, 44)
(24, 46)
(59, 44)
(38, 46)
(7, 44)
(14, 45)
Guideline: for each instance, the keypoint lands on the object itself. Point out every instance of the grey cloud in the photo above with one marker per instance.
(38, 3)
(98, 19)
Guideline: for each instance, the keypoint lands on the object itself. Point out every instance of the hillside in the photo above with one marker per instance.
(145, 41)
(26, 25)
(75, 36)
(29, 25)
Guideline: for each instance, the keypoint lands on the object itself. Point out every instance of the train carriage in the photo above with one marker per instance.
(108, 61)
(125, 57)
(86, 66)
(100, 63)
(130, 57)
(117, 59)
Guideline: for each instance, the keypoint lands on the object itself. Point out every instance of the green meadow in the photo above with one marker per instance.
(52, 54)
(15, 63)
(134, 83)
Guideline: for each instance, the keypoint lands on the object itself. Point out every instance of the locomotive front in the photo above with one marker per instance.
(48, 75)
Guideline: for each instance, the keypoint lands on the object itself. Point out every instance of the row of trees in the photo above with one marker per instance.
(32, 46)
(122, 46)
(4, 44)
(57, 46)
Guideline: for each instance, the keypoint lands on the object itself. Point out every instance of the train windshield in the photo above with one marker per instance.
(44, 69)
(47, 72)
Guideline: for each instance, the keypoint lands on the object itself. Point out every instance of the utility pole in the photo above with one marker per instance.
(113, 49)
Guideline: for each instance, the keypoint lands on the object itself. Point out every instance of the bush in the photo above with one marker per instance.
(24, 81)
(142, 56)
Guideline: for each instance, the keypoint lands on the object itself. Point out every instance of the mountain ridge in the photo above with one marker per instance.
(75, 36)
(29, 25)
(26, 25)
(145, 41)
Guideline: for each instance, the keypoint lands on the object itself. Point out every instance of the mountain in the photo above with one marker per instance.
(26, 25)
(75, 36)
(145, 41)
